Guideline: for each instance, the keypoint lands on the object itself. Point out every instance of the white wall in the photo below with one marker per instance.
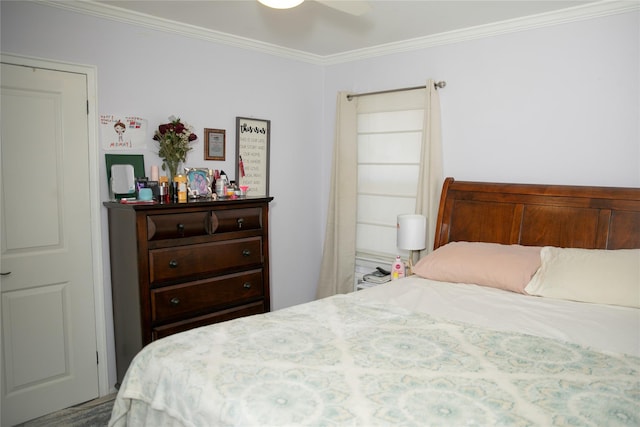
(551, 105)
(555, 105)
(154, 75)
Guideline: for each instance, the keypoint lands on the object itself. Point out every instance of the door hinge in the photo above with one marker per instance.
(97, 358)
(87, 107)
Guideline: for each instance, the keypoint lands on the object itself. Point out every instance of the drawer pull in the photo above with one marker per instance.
(240, 221)
(246, 253)
(247, 285)
(175, 301)
(180, 228)
(173, 264)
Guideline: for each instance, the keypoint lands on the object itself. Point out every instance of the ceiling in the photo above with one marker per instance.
(320, 31)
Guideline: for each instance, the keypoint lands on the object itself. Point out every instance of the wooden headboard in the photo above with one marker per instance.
(539, 215)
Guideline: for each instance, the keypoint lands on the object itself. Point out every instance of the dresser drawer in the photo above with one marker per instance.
(220, 316)
(225, 221)
(172, 302)
(174, 226)
(202, 259)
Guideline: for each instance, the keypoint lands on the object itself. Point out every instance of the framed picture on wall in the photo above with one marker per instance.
(252, 155)
(214, 144)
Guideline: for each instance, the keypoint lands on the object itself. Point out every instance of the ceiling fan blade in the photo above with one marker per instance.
(352, 7)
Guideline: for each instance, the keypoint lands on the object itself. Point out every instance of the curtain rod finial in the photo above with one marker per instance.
(440, 84)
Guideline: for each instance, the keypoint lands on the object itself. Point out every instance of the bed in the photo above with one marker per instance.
(525, 346)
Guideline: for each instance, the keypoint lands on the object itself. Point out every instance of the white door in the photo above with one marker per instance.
(47, 310)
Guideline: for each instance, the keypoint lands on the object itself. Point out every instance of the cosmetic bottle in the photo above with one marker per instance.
(397, 269)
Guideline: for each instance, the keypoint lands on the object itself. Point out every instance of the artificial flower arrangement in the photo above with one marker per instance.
(174, 141)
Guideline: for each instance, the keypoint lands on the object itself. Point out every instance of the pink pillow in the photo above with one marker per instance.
(508, 267)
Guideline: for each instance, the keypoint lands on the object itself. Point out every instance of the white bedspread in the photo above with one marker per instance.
(366, 359)
(605, 327)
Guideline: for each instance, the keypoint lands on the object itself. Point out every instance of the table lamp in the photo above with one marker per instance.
(412, 234)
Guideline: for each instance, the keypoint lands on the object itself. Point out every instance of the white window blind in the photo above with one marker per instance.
(389, 144)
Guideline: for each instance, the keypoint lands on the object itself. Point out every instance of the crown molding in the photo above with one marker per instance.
(127, 16)
(576, 13)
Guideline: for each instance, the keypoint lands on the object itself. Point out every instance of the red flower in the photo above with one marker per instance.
(174, 140)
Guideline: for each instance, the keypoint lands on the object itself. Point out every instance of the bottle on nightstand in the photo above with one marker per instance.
(397, 269)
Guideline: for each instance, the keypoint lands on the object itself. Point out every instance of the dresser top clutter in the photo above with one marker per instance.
(196, 203)
(178, 266)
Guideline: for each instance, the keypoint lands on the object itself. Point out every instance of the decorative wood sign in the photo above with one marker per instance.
(252, 155)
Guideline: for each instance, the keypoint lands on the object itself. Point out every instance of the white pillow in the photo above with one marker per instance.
(588, 275)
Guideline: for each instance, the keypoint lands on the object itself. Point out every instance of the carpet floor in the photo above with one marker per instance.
(95, 413)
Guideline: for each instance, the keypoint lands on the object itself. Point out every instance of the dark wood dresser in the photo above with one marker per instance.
(179, 266)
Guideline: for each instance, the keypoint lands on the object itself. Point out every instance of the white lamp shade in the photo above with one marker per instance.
(412, 232)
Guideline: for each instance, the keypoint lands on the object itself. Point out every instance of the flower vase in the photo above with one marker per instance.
(172, 168)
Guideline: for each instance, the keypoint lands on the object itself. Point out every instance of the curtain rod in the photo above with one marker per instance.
(437, 85)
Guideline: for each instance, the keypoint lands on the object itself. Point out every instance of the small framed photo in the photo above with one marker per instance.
(214, 144)
(198, 183)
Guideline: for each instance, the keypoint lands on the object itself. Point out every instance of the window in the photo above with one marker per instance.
(389, 145)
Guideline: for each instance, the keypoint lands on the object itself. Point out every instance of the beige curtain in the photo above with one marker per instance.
(430, 177)
(337, 271)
